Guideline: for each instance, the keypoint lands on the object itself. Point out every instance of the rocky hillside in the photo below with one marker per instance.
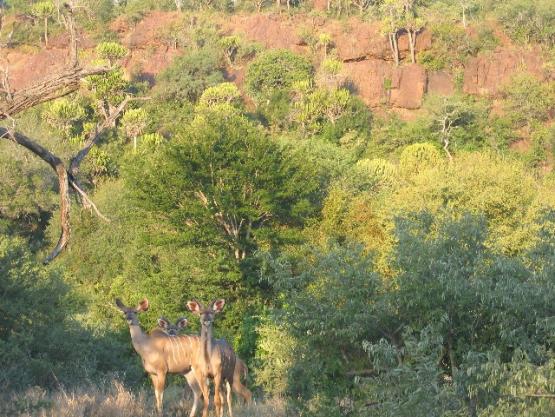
(368, 67)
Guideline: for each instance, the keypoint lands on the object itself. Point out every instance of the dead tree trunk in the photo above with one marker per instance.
(412, 44)
(394, 45)
(55, 86)
(63, 182)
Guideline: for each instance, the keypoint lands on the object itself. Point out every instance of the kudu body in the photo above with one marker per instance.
(162, 354)
(216, 360)
(166, 328)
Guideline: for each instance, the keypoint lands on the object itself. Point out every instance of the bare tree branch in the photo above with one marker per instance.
(61, 172)
(58, 85)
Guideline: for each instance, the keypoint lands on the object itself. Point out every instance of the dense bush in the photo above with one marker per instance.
(276, 71)
(189, 75)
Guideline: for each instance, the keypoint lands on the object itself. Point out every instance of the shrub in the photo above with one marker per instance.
(112, 51)
(274, 71)
(419, 156)
(528, 99)
(189, 75)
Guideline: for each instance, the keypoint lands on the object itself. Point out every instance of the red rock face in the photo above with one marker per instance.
(368, 63)
(440, 83)
(486, 73)
(408, 86)
(378, 82)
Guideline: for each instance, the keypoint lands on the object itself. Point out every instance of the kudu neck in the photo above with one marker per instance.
(206, 339)
(138, 337)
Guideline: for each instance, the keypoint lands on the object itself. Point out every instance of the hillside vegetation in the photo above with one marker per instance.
(368, 184)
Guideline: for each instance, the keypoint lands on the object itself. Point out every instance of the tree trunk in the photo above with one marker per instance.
(394, 47)
(58, 85)
(412, 44)
(446, 147)
(63, 182)
(464, 17)
(46, 32)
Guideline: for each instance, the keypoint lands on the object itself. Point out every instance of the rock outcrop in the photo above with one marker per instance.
(368, 65)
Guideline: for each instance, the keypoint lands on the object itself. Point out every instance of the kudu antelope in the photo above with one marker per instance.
(165, 328)
(216, 359)
(163, 354)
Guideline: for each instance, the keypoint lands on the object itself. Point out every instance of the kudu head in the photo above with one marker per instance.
(172, 329)
(132, 314)
(206, 315)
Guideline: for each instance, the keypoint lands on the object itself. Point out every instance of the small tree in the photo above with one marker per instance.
(112, 51)
(330, 70)
(325, 42)
(413, 24)
(392, 14)
(224, 93)
(276, 71)
(230, 46)
(63, 115)
(43, 10)
(134, 122)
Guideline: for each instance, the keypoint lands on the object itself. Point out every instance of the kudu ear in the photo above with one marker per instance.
(163, 323)
(218, 305)
(120, 305)
(143, 305)
(181, 323)
(194, 306)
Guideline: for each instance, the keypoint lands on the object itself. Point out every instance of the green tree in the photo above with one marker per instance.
(230, 46)
(44, 10)
(528, 99)
(223, 182)
(112, 51)
(276, 71)
(224, 94)
(63, 115)
(189, 75)
(134, 122)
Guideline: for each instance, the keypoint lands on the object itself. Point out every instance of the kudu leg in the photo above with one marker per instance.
(229, 398)
(203, 383)
(195, 387)
(218, 395)
(158, 381)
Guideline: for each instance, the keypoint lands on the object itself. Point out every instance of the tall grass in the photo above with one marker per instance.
(115, 400)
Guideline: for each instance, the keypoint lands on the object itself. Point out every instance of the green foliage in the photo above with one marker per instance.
(528, 21)
(371, 174)
(64, 115)
(189, 75)
(224, 183)
(411, 381)
(43, 9)
(326, 296)
(452, 45)
(419, 156)
(111, 51)
(230, 46)
(528, 99)
(331, 66)
(36, 328)
(109, 86)
(276, 71)
(330, 113)
(221, 94)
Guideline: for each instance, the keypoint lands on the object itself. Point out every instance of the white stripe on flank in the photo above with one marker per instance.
(173, 351)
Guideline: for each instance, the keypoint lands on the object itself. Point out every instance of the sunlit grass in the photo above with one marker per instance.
(116, 400)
